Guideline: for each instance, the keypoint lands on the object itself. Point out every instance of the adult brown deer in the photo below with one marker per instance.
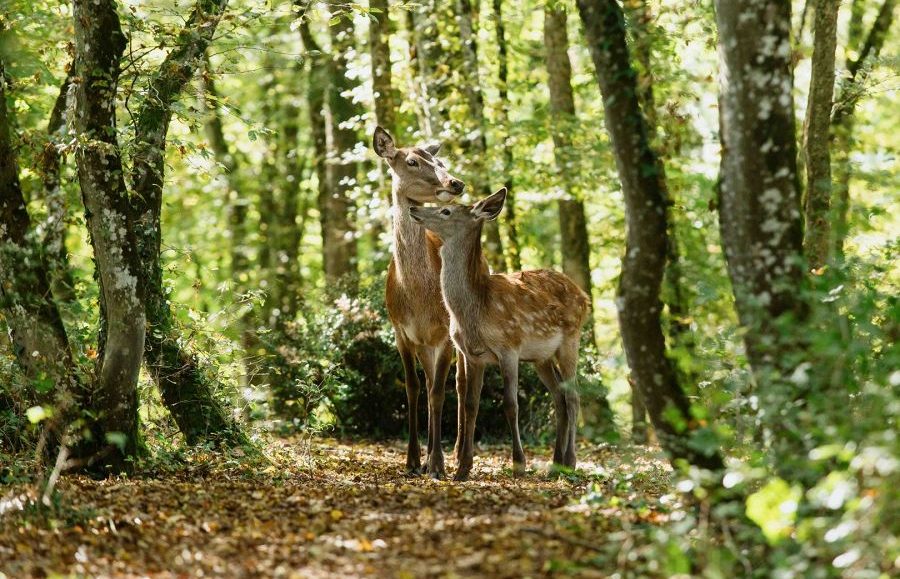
(413, 292)
(504, 318)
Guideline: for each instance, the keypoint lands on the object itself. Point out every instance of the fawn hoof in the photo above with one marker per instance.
(436, 472)
(414, 470)
(518, 469)
(462, 474)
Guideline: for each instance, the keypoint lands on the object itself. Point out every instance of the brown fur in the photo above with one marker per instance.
(502, 319)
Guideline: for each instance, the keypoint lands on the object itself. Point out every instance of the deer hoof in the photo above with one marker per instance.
(518, 469)
(461, 475)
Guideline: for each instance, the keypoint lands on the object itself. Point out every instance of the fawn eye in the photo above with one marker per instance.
(412, 162)
(445, 211)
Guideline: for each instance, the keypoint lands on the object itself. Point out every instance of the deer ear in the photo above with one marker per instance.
(489, 208)
(433, 148)
(383, 143)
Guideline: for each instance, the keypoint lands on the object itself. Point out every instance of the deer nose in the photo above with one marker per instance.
(457, 185)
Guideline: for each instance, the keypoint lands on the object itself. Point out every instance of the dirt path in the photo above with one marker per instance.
(339, 509)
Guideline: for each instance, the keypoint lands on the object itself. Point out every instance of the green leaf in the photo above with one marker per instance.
(774, 509)
(37, 413)
(117, 438)
(43, 383)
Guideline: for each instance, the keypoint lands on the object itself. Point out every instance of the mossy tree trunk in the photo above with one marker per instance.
(187, 388)
(817, 146)
(39, 339)
(643, 265)
(99, 44)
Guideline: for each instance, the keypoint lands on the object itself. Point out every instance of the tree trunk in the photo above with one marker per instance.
(842, 122)
(435, 62)
(817, 146)
(288, 231)
(674, 294)
(572, 222)
(338, 232)
(187, 391)
(61, 278)
(574, 240)
(99, 44)
(760, 216)
(380, 50)
(237, 206)
(316, 82)
(645, 253)
(39, 340)
(386, 100)
(475, 146)
(512, 229)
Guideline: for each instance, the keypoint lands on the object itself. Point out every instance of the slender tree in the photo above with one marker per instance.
(228, 160)
(99, 44)
(476, 145)
(512, 229)
(574, 239)
(38, 337)
(380, 50)
(186, 388)
(674, 295)
(644, 262)
(842, 122)
(338, 231)
(817, 147)
(62, 280)
(316, 81)
(572, 221)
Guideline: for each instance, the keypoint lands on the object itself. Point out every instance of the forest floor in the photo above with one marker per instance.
(328, 508)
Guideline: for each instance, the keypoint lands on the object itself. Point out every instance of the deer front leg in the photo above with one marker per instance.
(460, 405)
(413, 459)
(473, 382)
(509, 368)
(436, 389)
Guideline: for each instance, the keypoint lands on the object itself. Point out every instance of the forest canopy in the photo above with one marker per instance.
(214, 269)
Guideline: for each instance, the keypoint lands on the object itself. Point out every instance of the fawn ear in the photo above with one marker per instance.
(489, 208)
(433, 148)
(383, 143)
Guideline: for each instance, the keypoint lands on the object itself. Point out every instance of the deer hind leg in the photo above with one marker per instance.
(509, 368)
(460, 405)
(567, 358)
(440, 367)
(546, 371)
(474, 378)
(413, 459)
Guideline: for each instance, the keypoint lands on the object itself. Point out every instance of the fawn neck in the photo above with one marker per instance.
(410, 245)
(464, 276)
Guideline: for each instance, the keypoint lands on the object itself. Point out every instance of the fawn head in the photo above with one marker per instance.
(454, 221)
(419, 174)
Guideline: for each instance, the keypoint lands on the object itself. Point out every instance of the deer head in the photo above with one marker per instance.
(455, 221)
(418, 174)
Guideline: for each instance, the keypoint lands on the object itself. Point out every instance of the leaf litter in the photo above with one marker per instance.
(342, 508)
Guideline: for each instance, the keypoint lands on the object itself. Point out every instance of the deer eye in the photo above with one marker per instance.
(445, 211)
(412, 162)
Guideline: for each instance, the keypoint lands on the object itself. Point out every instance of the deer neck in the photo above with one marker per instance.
(410, 242)
(464, 277)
